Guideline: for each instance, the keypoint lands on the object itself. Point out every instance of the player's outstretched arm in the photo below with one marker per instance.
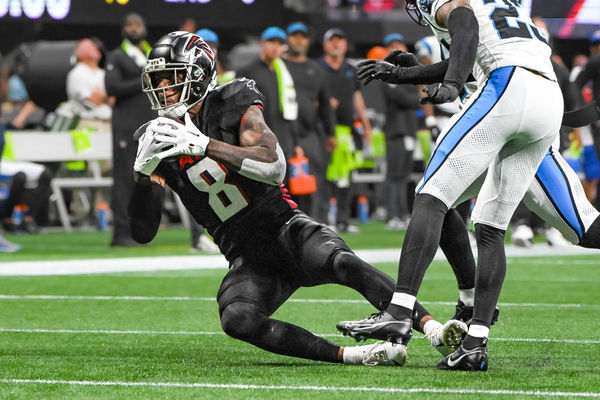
(258, 157)
(145, 209)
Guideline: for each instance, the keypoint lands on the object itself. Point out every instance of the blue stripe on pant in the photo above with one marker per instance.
(489, 96)
(554, 183)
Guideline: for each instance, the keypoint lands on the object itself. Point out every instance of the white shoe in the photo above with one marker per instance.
(7, 246)
(348, 228)
(376, 354)
(555, 238)
(446, 338)
(393, 224)
(380, 214)
(207, 245)
(522, 236)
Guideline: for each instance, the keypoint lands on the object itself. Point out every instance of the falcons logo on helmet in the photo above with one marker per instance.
(198, 45)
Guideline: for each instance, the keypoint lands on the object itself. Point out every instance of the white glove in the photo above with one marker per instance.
(185, 139)
(149, 152)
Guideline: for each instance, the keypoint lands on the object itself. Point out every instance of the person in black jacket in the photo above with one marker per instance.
(122, 80)
(401, 102)
(316, 135)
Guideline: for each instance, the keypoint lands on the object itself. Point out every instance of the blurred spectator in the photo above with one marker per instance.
(86, 90)
(131, 110)
(273, 80)
(591, 73)
(20, 112)
(584, 140)
(316, 133)
(348, 104)
(29, 189)
(400, 127)
(5, 245)
(188, 25)
(376, 108)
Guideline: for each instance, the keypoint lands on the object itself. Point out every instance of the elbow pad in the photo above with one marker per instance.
(270, 173)
(464, 33)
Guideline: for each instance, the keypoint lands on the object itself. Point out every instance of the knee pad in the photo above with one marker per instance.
(240, 320)
(488, 236)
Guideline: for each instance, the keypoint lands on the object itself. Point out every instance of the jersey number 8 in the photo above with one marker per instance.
(225, 199)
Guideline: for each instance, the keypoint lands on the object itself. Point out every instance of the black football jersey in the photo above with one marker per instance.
(237, 211)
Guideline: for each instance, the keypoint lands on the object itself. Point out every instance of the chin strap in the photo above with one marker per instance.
(174, 111)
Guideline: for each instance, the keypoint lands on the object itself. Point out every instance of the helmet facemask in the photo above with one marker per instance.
(414, 13)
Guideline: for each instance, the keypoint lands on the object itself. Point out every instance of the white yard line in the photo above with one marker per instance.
(207, 333)
(324, 301)
(108, 265)
(502, 392)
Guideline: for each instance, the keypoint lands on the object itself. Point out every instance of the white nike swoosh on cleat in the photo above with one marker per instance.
(452, 363)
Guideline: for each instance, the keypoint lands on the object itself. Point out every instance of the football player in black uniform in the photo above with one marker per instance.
(227, 167)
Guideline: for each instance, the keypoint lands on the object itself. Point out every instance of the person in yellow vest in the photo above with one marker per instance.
(348, 104)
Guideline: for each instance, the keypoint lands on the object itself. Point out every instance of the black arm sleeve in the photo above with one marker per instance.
(427, 74)
(464, 32)
(145, 209)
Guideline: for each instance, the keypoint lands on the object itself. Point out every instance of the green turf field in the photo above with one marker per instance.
(157, 334)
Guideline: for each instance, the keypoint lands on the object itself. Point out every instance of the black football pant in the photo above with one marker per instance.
(304, 253)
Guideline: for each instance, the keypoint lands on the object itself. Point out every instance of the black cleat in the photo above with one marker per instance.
(467, 360)
(378, 326)
(465, 314)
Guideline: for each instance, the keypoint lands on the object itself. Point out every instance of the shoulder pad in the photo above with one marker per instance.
(140, 131)
(241, 92)
(239, 85)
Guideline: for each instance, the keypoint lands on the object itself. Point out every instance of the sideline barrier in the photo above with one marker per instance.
(40, 146)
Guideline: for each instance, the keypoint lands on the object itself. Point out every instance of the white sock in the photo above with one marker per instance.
(429, 327)
(479, 331)
(354, 354)
(467, 296)
(403, 300)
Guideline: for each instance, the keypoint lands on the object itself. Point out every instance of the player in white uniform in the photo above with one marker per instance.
(507, 125)
(556, 194)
